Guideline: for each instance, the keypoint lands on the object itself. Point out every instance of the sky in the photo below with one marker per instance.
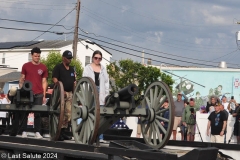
(184, 33)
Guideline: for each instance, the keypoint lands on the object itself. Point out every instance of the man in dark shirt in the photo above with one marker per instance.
(226, 114)
(237, 123)
(217, 122)
(65, 73)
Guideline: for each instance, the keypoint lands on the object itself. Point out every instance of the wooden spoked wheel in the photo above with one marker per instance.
(57, 115)
(153, 124)
(85, 108)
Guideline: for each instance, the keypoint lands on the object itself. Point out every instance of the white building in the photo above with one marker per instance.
(15, 54)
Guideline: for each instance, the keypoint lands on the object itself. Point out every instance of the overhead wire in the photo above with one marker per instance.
(165, 21)
(122, 26)
(30, 22)
(147, 48)
(46, 30)
(39, 4)
(162, 42)
(174, 59)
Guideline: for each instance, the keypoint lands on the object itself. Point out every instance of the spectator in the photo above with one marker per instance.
(37, 74)
(217, 122)
(211, 104)
(222, 108)
(224, 102)
(99, 75)
(4, 100)
(165, 115)
(65, 73)
(179, 106)
(189, 119)
(237, 123)
(232, 105)
(139, 131)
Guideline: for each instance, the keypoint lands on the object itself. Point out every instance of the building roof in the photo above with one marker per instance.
(12, 76)
(48, 44)
(10, 45)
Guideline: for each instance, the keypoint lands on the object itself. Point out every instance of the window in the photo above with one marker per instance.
(87, 60)
(29, 57)
(3, 58)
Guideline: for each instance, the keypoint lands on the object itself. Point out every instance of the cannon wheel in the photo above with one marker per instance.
(154, 97)
(56, 117)
(85, 107)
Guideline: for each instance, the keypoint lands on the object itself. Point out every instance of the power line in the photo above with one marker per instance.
(164, 43)
(146, 58)
(125, 29)
(36, 8)
(34, 30)
(41, 4)
(46, 30)
(30, 22)
(158, 55)
(92, 50)
(165, 21)
(143, 48)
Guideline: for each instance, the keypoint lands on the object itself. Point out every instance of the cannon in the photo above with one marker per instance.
(25, 94)
(95, 119)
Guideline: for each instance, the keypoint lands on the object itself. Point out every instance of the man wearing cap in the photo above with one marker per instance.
(189, 118)
(37, 74)
(65, 73)
(217, 121)
(179, 106)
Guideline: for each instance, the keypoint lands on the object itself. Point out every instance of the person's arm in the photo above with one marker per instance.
(223, 129)
(21, 80)
(228, 107)
(55, 74)
(208, 127)
(207, 107)
(106, 82)
(44, 86)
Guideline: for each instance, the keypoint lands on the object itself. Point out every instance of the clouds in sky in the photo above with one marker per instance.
(192, 29)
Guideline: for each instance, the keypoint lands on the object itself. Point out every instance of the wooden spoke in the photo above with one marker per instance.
(86, 94)
(155, 96)
(57, 115)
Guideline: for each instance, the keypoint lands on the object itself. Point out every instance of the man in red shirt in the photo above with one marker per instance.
(37, 74)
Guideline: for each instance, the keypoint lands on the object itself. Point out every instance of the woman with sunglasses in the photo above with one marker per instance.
(99, 75)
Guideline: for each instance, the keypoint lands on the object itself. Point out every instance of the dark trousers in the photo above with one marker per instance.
(23, 117)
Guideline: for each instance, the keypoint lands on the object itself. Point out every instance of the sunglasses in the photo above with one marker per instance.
(97, 58)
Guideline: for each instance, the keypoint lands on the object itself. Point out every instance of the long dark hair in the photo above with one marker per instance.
(96, 52)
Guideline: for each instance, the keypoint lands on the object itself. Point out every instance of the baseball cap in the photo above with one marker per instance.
(179, 93)
(67, 54)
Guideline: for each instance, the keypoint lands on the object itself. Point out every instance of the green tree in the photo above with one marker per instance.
(128, 71)
(53, 58)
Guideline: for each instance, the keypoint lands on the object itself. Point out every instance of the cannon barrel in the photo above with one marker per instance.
(25, 94)
(127, 92)
(27, 86)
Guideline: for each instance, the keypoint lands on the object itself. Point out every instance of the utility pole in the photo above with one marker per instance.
(75, 39)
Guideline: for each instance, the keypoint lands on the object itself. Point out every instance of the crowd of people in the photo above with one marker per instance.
(37, 73)
(184, 115)
(218, 110)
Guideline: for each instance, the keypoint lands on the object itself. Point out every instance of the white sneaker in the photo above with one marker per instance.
(102, 141)
(38, 135)
(24, 134)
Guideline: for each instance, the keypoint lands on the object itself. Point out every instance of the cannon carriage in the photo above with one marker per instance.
(96, 119)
